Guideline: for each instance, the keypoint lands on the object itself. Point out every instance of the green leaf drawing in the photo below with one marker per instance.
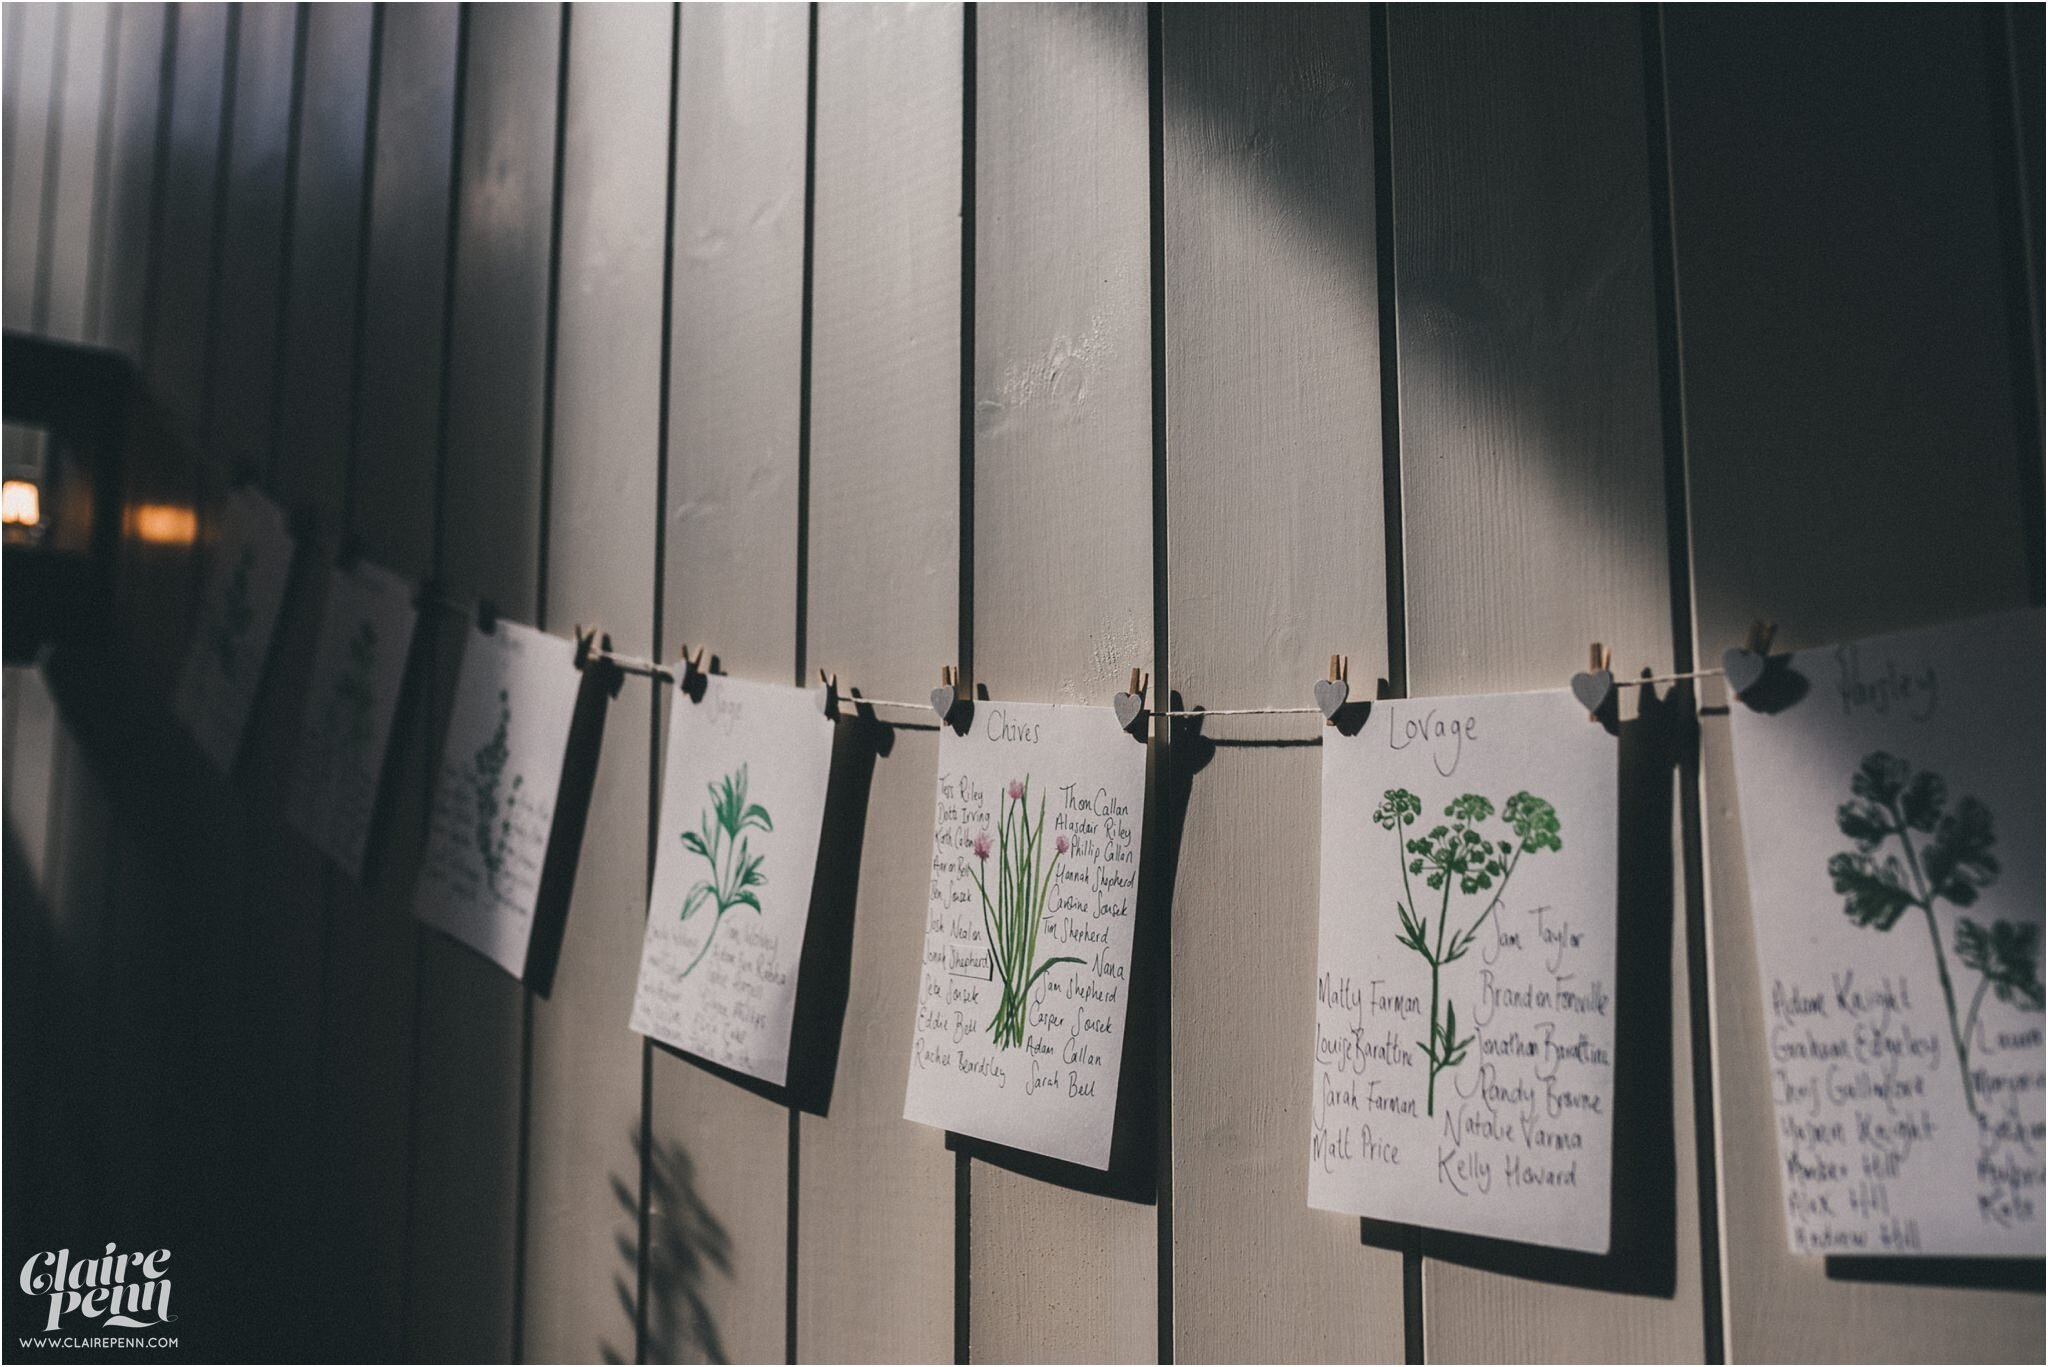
(1878, 884)
(1458, 856)
(494, 805)
(236, 613)
(720, 841)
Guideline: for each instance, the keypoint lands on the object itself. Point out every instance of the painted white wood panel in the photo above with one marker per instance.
(471, 1047)
(1274, 560)
(582, 1194)
(1062, 539)
(718, 1167)
(38, 69)
(373, 943)
(127, 242)
(884, 562)
(1534, 514)
(181, 276)
(1850, 475)
(76, 181)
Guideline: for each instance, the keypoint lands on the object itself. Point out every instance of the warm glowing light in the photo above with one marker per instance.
(165, 524)
(21, 503)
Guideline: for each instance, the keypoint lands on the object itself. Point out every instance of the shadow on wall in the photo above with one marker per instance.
(686, 1249)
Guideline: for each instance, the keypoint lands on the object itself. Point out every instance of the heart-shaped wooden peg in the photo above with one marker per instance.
(1331, 695)
(1593, 688)
(1129, 705)
(1743, 668)
(831, 683)
(946, 696)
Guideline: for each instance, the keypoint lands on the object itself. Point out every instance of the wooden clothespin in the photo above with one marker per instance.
(688, 664)
(947, 695)
(486, 615)
(1129, 705)
(585, 642)
(1594, 687)
(831, 682)
(1744, 666)
(1332, 693)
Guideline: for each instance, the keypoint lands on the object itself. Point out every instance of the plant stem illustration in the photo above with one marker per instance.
(350, 703)
(1457, 856)
(721, 842)
(493, 811)
(1952, 862)
(1013, 915)
(236, 615)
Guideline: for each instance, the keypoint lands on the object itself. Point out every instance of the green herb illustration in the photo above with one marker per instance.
(493, 809)
(1013, 916)
(236, 615)
(1457, 856)
(721, 842)
(352, 700)
(1952, 862)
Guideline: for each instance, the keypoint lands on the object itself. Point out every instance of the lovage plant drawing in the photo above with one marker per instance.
(1457, 857)
(1023, 876)
(1890, 872)
(493, 807)
(237, 614)
(721, 842)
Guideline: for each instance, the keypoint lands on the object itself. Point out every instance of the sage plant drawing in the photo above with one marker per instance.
(236, 614)
(1023, 875)
(1457, 857)
(721, 842)
(1913, 851)
(494, 806)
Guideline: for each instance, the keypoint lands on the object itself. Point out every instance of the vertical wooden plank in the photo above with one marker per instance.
(175, 346)
(583, 1138)
(126, 244)
(38, 68)
(368, 1034)
(1062, 553)
(718, 1170)
(1851, 422)
(242, 383)
(884, 614)
(470, 1071)
(76, 181)
(1275, 559)
(1533, 491)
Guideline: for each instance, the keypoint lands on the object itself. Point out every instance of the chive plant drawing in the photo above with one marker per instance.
(1459, 857)
(236, 615)
(1023, 874)
(1912, 851)
(494, 806)
(721, 842)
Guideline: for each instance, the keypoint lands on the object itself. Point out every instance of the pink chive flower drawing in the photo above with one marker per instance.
(1013, 916)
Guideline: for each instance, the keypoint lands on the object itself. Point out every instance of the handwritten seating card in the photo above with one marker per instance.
(366, 634)
(742, 810)
(494, 794)
(1891, 814)
(1464, 1044)
(1028, 931)
(244, 591)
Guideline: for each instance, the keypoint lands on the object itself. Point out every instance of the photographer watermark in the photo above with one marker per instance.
(115, 1290)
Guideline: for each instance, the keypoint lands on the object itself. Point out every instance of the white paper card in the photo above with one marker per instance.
(742, 809)
(224, 664)
(494, 795)
(366, 633)
(1464, 1044)
(1028, 930)
(1892, 820)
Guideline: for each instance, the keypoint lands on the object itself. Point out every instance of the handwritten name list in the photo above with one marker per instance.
(1892, 820)
(1028, 931)
(1463, 1076)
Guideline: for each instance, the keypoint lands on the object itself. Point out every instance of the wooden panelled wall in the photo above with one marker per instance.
(1050, 341)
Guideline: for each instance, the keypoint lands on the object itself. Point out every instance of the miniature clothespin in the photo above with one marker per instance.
(947, 695)
(1332, 693)
(1744, 665)
(1594, 687)
(1129, 705)
(688, 665)
(486, 615)
(585, 641)
(831, 682)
